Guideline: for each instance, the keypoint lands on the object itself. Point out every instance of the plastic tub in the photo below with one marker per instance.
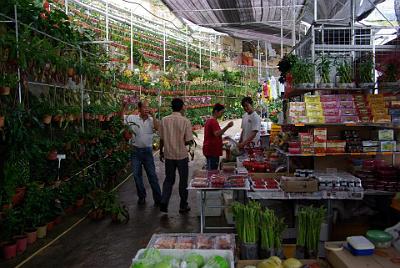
(349, 119)
(380, 239)
(331, 112)
(328, 98)
(347, 111)
(332, 119)
(346, 104)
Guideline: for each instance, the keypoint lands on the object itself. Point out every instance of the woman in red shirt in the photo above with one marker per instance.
(212, 146)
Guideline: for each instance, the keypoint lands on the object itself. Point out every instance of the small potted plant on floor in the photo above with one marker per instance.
(119, 214)
(324, 69)
(7, 82)
(8, 230)
(345, 73)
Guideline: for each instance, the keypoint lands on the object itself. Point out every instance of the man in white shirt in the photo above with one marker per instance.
(143, 126)
(251, 124)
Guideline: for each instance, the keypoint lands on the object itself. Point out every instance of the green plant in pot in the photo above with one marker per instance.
(324, 68)
(15, 179)
(366, 73)
(12, 226)
(345, 73)
(303, 73)
(7, 82)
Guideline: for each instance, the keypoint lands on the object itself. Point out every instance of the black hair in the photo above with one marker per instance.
(247, 100)
(177, 104)
(218, 107)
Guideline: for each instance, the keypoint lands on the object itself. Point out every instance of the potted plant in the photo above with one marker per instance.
(7, 81)
(246, 221)
(303, 74)
(119, 214)
(8, 230)
(324, 68)
(389, 68)
(366, 73)
(345, 73)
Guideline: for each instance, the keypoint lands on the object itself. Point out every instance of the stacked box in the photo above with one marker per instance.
(362, 108)
(335, 146)
(297, 112)
(320, 137)
(306, 143)
(353, 141)
(314, 111)
(330, 107)
(378, 108)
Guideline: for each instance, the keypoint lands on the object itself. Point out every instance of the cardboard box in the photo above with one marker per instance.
(344, 259)
(299, 185)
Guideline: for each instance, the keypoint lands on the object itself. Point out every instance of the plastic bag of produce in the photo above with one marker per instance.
(195, 258)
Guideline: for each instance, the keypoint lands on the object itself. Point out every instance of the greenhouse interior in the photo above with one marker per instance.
(200, 134)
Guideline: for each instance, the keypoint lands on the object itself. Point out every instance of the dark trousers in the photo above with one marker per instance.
(144, 157)
(212, 162)
(170, 170)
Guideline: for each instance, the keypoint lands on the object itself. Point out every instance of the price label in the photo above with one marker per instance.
(307, 154)
(387, 153)
(320, 154)
(350, 124)
(371, 153)
(299, 125)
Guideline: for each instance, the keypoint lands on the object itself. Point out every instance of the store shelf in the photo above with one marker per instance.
(383, 125)
(300, 91)
(336, 154)
(378, 193)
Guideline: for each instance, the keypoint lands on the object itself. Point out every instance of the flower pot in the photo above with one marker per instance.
(79, 202)
(248, 251)
(101, 118)
(18, 196)
(96, 214)
(46, 119)
(4, 91)
(9, 250)
(57, 220)
(71, 72)
(2, 119)
(289, 250)
(31, 236)
(52, 155)
(50, 226)
(42, 231)
(69, 210)
(86, 116)
(70, 117)
(21, 241)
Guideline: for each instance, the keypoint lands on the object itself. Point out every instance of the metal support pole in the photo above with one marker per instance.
(313, 41)
(17, 45)
(352, 21)
(373, 57)
(266, 58)
(200, 53)
(107, 22)
(281, 29)
(131, 40)
(187, 48)
(164, 47)
(294, 24)
(66, 7)
(258, 61)
(210, 52)
(82, 96)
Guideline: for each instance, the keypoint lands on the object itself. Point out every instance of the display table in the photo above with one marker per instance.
(203, 196)
(244, 263)
(382, 258)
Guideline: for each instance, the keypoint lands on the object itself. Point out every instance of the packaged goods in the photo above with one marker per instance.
(385, 134)
(388, 146)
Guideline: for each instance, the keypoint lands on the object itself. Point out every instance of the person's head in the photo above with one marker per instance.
(177, 105)
(143, 107)
(247, 104)
(218, 110)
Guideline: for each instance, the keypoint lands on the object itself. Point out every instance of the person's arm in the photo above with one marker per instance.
(220, 132)
(249, 139)
(255, 128)
(188, 133)
(161, 150)
(156, 123)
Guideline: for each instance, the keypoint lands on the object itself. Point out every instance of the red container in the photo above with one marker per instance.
(22, 242)
(9, 250)
(31, 236)
(294, 144)
(294, 151)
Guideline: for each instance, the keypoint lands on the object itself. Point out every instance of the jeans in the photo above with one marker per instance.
(144, 157)
(170, 169)
(212, 162)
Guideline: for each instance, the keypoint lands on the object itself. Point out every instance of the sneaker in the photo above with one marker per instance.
(184, 210)
(141, 201)
(163, 208)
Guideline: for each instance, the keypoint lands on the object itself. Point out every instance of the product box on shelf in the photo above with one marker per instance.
(312, 98)
(331, 112)
(299, 185)
(385, 134)
(316, 119)
(388, 146)
(318, 132)
(315, 113)
(313, 106)
(349, 119)
(330, 105)
(328, 98)
(336, 144)
(345, 97)
(332, 119)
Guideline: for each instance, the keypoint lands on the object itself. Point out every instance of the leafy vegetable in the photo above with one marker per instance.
(309, 226)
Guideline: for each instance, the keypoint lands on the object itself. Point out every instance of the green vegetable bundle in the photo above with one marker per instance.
(247, 219)
(271, 229)
(309, 226)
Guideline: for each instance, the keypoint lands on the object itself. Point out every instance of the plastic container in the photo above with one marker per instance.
(349, 119)
(328, 98)
(334, 119)
(345, 97)
(346, 104)
(360, 246)
(312, 98)
(294, 150)
(380, 239)
(347, 111)
(330, 105)
(331, 112)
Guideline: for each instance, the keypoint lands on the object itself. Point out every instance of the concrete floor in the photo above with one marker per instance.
(104, 244)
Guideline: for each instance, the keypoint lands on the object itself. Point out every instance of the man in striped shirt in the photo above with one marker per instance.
(175, 135)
